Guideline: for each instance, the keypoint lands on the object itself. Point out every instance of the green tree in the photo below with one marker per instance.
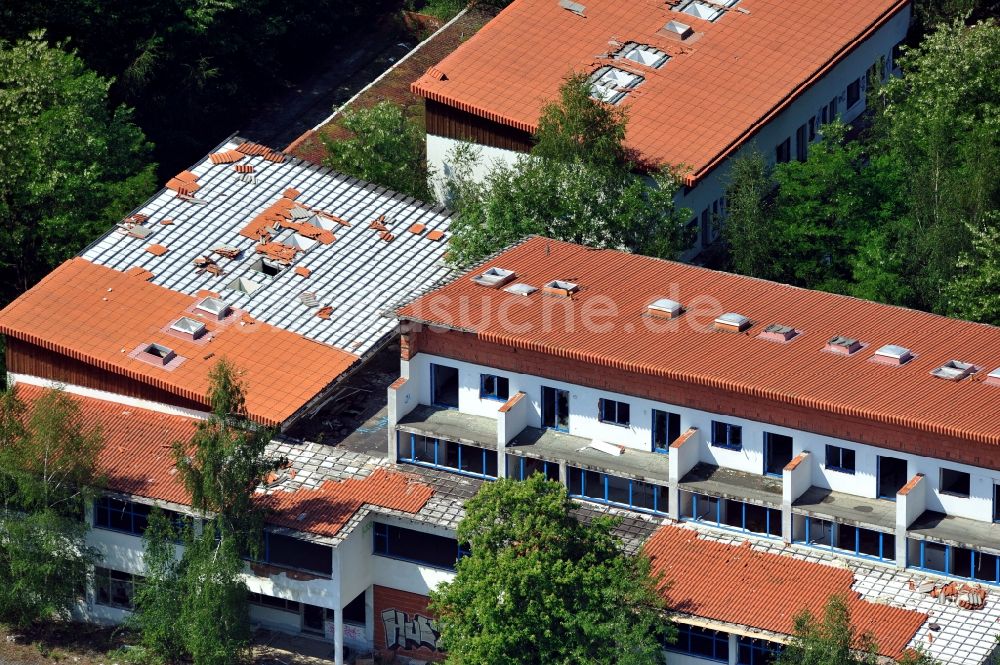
(974, 292)
(386, 147)
(221, 468)
(69, 164)
(749, 228)
(829, 640)
(48, 469)
(541, 587)
(581, 130)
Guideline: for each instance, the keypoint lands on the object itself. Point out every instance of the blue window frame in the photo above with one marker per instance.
(287, 552)
(996, 503)
(666, 430)
(954, 561)
(840, 459)
(117, 515)
(494, 387)
(615, 490)
(448, 455)
(427, 549)
(701, 642)
(727, 435)
(733, 515)
(845, 538)
(522, 468)
(751, 651)
(613, 412)
(555, 409)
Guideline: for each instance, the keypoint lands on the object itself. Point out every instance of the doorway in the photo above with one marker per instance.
(555, 409)
(891, 476)
(777, 453)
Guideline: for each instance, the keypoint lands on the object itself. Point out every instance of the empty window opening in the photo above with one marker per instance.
(555, 409)
(114, 588)
(955, 483)
(666, 430)
(853, 93)
(494, 387)
(354, 611)
(727, 435)
(157, 354)
(444, 386)
(613, 412)
(643, 54)
(700, 642)
(840, 459)
(266, 268)
(777, 453)
(801, 144)
(783, 152)
(609, 489)
(611, 84)
(281, 604)
(730, 514)
(522, 468)
(996, 503)
(287, 552)
(417, 546)
(892, 476)
(314, 618)
(954, 370)
(447, 455)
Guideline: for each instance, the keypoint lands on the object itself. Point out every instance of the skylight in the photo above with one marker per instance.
(954, 370)
(521, 289)
(188, 326)
(561, 287)
(243, 285)
(732, 322)
(892, 354)
(159, 352)
(664, 308)
(610, 84)
(676, 29)
(643, 54)
(494, 277)
(704, 10)
(215, 307)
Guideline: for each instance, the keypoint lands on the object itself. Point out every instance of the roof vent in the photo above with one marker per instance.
(676, 29)
(158, 354)
(188, 327)
(521, 289)
(664, 308)
(217, 308)
(954, 370)
(843, 345)
(993, 378)
(558, 287)
(778, 333)
(892, 354)
(574, 7)
(732, 322)
(494, 277)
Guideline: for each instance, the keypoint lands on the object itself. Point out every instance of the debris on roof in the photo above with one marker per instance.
(226, 157)
(156, 250)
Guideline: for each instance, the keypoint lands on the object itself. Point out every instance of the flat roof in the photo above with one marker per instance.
(605, 323)
(718, 87)
(356, 270)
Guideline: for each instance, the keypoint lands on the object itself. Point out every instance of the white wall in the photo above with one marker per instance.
(583, 422)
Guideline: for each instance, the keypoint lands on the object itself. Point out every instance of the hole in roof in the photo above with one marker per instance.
(664, 308)
(777, 332)
(218, 308)
(494, 277)
(521, 289)
(265, 267)
(893, 354)
(164, 353)
(188, 326)
(243, 285)
(843, 345)
(610, 84)
(644, 54)
(561, 287)
(954, 370)
(732, 322)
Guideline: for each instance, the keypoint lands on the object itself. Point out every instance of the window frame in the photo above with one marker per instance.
(102, 505)
(613, 416)
(494, 394)
(669, 418)
(839, 467)
(783, 151)
(718, 639)
(951, 492)
(729, 429)
(381, 535)
(102, 574)
(855, 85)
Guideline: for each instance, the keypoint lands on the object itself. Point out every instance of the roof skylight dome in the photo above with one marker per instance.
(217, 308)
(732, 322)
(188, 327)
(643, 54)
(954, 370)
(664, 308)
(610, 84)
(893, 354)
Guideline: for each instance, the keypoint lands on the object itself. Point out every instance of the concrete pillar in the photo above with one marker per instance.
(512, 418)
(796, 478)
(563, 474)
(338, 612)
(911, 502)
(370, 615)
(402, 399)
(682, 458)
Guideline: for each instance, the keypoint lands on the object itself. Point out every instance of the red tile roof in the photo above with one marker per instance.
(738, 585)
(714, 93)
(615, 289)
(137, 460)
(100, 316)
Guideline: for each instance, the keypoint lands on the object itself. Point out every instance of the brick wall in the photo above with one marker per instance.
(469, 348)
(403, 624)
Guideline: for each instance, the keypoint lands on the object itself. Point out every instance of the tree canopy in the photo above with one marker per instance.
(542, 587)
(70, 163)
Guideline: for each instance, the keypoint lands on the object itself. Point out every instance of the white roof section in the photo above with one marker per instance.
(360, 275)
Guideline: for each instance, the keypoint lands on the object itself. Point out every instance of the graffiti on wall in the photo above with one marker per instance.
(404, 632)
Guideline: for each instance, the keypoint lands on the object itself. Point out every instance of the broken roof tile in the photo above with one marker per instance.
(302, 271)
(156, 250)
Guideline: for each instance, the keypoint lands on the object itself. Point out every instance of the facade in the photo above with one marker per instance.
(800, 421)
(702, 81)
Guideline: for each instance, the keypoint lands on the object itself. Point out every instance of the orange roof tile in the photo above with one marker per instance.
(435, 235)
(302, 271)
(325, 511)
(99, 316)
(156, 250)
(417, 228)
(739, 585)
(799, 373)
(713, 94)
